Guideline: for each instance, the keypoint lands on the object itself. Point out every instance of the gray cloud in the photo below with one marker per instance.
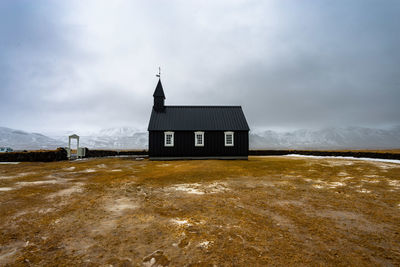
(83, 65)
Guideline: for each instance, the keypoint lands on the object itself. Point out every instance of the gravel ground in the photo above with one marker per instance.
(264, 211)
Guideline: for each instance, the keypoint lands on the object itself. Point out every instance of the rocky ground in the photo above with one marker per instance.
(267, 210)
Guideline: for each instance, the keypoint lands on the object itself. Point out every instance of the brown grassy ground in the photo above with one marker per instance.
(267, 210)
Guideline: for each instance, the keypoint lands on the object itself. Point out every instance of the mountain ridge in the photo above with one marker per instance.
(132, 138)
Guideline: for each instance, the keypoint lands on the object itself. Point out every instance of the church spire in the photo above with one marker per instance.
(159, 92)
(159, 95)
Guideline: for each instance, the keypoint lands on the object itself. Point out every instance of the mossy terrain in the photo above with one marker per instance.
(264, 211)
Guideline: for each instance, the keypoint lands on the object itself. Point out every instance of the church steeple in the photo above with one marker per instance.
(159, 97)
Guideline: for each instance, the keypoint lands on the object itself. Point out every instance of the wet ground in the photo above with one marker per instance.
(264, 211)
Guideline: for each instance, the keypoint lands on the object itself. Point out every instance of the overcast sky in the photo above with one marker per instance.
(87, 65)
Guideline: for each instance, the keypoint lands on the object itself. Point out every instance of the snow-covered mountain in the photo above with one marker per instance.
(328, 138)
(131, 138)
(120, 139)
(20, 140)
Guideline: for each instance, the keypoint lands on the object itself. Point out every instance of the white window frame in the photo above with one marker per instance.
(225, 135)
(172, 139)
(195, 138)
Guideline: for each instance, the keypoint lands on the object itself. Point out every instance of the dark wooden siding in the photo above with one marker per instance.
(214, 145)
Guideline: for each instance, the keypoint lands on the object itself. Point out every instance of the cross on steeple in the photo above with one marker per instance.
(159, 72)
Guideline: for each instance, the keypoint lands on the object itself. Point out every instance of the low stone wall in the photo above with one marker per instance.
(40, 155)
(100, 153)
(111, 153)
(356, 154)
(133, 152)
(61, 154)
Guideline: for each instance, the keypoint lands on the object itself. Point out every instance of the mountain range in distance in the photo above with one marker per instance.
(131, 138)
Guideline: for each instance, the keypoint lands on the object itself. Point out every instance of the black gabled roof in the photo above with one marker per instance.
(159, 92)
(197, 118)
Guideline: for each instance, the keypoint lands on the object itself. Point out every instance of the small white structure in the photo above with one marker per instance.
(80, 151)
(6, 149)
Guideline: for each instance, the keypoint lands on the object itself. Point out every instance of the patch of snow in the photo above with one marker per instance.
(180, 222)
(150, 263)
(81, 159)
(335, 184)
(189, 188)
(19, 175)
(164, 165)
(204, 244)
(322, 184)
(342, 174)
(38, 182)
(7, 254)
(370, 181)
(337, 157)
(89, 170)
(394, 183)
(101, 166)
(116, 170)
(77, 188)
(10, 162)
(363, 190)
(2, 189)
(199, 189)
(42, 211)
(120, 205)
(69, 168)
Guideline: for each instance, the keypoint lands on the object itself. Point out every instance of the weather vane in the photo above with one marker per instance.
(159, 73)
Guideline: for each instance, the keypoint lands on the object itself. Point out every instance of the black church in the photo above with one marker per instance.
(196, 132)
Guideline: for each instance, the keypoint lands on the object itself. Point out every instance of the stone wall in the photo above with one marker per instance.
(111, 153)
(40, 155)
(356, 154)
(61, 154)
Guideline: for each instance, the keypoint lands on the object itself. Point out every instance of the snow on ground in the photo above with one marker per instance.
(180, 222)
(363, 190)
(200, 189)
(204, 244)
(394, 183)
(19, 175)
(319, 184)
(77, 188)
(89, 170)
(337, 157)
(370, 181)
(5, 189)
(189, 188)
(335, 184)
(120, 205)
(38, 182)
(9, 162)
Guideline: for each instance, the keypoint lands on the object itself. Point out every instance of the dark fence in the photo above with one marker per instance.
(40, 155)
(356, 154)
